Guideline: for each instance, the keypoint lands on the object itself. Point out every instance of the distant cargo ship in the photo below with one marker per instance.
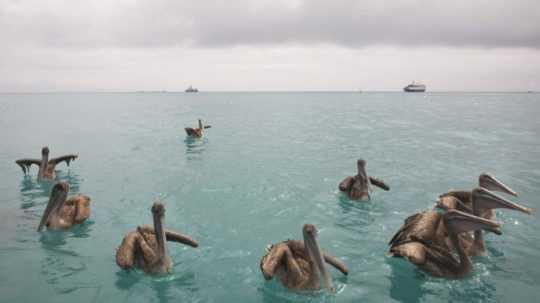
(191, 89)
(415, 88)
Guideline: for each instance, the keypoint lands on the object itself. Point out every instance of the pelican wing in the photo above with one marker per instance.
(346, 184)
(26, 163)
(422, 226)
(336, 263)
(379, 183)
(66, 158)
(172, 236)
(439, 259)
(125, 254)
(273, 259)
(415, 252)
(82, 207)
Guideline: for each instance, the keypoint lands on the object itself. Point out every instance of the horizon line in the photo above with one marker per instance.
(155, 91)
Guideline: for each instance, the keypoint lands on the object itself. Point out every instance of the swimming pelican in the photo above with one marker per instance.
(63, 213)
(358, 187)
(428, 226)
(298, 265)
(46, 165)
(196, 132)
(437, 260)
(486, 181)
(146, 247)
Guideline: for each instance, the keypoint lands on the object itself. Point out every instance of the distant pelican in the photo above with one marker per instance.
(63, 213)
(196, 132)
(46, 166)
(437, 260)
(358, 187)
(146, 247)
(298, 265)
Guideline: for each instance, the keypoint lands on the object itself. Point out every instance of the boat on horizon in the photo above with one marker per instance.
(415, 88)
(192, 89)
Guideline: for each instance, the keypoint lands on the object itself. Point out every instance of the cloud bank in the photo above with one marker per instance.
(169, 23)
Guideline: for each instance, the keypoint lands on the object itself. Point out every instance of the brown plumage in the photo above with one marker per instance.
(437, 260)
(63, 213)
(46, 165)
(359, 187)
(196, 132)
(486, 181)
(299, 264)
(146, 249)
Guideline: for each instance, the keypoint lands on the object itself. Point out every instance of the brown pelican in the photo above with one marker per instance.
(146, 247)
(429, 226)
(299, 265)
(196, 132)
(436, 260)
(63, 213)
(486, 181)
(358, 187)
(46, 165)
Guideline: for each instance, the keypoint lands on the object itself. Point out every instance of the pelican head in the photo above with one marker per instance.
(484, 199)
(361, 164)
(490, 182)
(311, 244)
(460, 222)
(45, 151)
(450, 202)
(158, 214)
(56, 201)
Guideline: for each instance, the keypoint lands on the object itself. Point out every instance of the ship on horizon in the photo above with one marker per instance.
(415, 88)
(192, 89)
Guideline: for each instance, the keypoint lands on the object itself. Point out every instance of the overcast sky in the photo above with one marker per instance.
(106, 45)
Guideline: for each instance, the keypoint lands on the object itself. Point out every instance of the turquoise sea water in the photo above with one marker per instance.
(270, 163)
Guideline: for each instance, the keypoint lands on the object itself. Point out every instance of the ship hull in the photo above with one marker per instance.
(413, 90)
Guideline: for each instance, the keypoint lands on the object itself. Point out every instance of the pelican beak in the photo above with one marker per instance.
(312, 246)
(158, 213)
(463, 222)
(490, 182)
(56, 201)
(485, 199)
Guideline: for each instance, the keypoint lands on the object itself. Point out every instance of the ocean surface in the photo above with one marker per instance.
(270, 163)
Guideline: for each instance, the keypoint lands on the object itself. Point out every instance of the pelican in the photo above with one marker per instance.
(196, 132)
(428, 226)
(146, 247)
(437, 260)
(46, 165)
(486, 181)
(299, 265)
(358, 187)
(63, 213)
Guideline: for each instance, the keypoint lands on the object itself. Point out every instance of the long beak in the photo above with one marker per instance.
(485, 199)
(160, 233)
(312, 245)
(463, 222)
(490, 182)
(56, 200)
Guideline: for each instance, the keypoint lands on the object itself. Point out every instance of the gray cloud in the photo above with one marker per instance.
(168, 23)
